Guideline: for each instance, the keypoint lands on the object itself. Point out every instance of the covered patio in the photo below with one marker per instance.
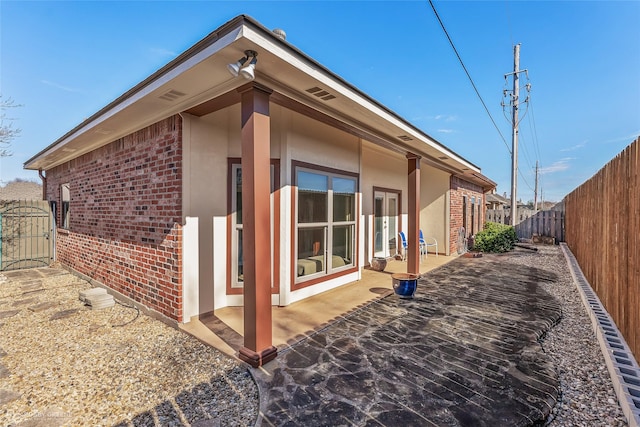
(224, 328)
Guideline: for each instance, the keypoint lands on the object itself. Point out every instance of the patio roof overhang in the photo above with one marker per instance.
(197, 82)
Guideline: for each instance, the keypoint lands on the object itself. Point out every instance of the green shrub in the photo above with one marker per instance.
(495, 238)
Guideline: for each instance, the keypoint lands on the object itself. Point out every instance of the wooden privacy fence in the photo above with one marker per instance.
(602, 219)
(544, 223)
(500, 216)
(503, 216)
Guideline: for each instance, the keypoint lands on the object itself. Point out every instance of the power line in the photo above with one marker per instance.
(523, 144)
(525, 180)
(468, 75)
(532, 125)
(535, 131)
(523, 141)
(477, 91)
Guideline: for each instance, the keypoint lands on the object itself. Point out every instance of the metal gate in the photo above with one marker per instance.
(25, 234)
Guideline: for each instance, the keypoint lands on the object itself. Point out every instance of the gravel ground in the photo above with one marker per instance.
(108, 367)
(119, 367)
(588, 397)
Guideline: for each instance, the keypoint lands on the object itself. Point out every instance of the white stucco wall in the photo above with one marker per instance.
(384, 169)
(204, 155)
(306, 140)
(208, 143)
(313, 142)
(434, 186)
(190, 269)
(380, 169)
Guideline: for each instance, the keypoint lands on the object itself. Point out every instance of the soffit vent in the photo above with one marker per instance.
(443, 157)
(320, 93)
(172, 95)
(405, 138)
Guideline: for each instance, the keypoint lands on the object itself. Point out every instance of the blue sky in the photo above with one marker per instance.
(63, 61)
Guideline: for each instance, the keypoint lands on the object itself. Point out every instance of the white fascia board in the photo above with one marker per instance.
(189, 63)
(331, 82)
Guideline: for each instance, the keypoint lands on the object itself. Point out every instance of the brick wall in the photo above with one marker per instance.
(125, 215)
(459, 189)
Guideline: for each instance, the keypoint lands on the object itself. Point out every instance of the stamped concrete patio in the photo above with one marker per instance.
(224, 328)
(463, 352)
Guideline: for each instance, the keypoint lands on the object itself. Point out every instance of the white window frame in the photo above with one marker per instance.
(65, 202)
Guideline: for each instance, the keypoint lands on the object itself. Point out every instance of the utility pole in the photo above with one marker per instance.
(515, 101)
(514, 136)
(535, 192)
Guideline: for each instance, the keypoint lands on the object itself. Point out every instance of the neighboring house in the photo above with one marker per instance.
(496, 201)
(21, 190)
(549, 206)
(499, 209)
(197, 190)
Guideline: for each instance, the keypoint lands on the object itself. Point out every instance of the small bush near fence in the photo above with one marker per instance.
(495, 238)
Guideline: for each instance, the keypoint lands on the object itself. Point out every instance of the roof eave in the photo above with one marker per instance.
(180, 59)
(464, 167)
(420, 134)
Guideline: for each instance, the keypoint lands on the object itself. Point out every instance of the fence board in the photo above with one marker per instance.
(544, 223)
(602, 229)
(497, 215)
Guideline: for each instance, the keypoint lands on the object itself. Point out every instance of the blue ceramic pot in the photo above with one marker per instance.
(405, 284)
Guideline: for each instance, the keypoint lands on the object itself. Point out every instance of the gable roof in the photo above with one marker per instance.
(197, 82)
(496, 198)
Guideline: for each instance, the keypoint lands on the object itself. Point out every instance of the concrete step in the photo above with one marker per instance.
(93, 291)
(100, 301)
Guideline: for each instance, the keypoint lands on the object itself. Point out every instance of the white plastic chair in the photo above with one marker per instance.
(426, 243)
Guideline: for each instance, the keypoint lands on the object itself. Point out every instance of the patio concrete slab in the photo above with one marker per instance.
(224, 328)
(463, 352)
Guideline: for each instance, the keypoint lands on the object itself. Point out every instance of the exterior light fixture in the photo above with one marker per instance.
(235, 67)
(247, 72)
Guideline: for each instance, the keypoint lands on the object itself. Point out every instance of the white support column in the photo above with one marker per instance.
(190, 269)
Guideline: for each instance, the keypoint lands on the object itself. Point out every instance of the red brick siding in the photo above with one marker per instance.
(125, 215)
(459, 189)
